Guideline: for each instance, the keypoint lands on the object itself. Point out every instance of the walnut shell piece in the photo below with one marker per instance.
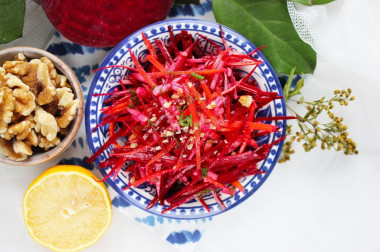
(7, 104)
(48, 89)
(45, 123)
(25, 101)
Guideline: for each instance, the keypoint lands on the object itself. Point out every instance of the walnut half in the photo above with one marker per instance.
(7, 104)
(25, 101)
(6, 149)
(69, 106)
(48, 89)
(46, 124)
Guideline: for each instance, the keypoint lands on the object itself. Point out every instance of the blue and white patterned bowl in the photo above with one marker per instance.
(108, 79)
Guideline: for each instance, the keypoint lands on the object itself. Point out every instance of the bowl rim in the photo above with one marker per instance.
(73, 80)
(111, 54)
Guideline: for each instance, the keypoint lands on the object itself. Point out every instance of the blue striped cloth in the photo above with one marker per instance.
(182, 234)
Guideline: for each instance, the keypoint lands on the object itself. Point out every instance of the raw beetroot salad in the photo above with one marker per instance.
(188, 122)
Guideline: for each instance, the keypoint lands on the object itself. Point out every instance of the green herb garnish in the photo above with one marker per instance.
(186, 121)
(198, 76)
(204, 171)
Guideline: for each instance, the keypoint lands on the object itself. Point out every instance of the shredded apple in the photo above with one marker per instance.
(188, 121)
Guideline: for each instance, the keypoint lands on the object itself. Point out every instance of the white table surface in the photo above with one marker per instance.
(319, 201)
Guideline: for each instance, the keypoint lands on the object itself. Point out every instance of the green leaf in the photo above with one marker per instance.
(204, 171)
(288, 84)
(267, 22)
(297, 90)
(12, 14)
(312, 2)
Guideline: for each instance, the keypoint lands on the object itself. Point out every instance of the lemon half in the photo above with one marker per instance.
(65, 209)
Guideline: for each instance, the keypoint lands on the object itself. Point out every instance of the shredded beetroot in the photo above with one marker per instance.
(188, 122)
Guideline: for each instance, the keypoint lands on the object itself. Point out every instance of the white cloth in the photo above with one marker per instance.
(345, 32)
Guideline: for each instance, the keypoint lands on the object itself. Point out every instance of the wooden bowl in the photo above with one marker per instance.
(62, 68)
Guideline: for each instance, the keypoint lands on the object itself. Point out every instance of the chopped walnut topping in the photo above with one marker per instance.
(167, 104)
(175, 96)
(134, 145)
(182, 102)
(190, 146)
(246, 100)
(153, 119)
(211, 105)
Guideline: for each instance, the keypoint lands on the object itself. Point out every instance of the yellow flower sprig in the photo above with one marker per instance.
(329, 135)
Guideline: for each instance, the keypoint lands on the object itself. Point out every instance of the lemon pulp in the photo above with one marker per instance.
(65, 209)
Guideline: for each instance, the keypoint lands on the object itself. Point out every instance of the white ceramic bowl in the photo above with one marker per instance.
(106, 80)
